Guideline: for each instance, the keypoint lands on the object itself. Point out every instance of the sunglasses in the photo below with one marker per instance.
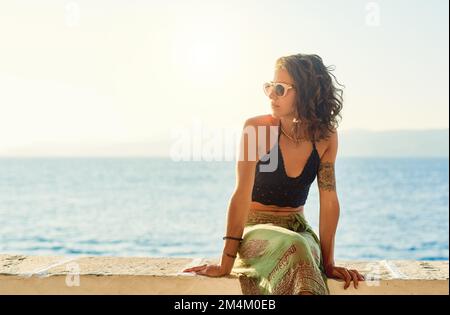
(279, 88)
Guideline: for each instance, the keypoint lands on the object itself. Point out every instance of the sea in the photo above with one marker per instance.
(390, 208)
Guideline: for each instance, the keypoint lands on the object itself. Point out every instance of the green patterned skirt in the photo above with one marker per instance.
(280, 255)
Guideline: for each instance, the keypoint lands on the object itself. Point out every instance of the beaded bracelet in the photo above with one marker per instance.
(229, 255)
(233, 238)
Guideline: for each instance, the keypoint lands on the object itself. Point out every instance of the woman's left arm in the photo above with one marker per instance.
(329, 215)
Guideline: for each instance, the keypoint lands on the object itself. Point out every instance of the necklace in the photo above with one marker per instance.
(292, 139)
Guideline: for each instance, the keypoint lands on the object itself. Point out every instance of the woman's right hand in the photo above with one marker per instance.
(208, 270)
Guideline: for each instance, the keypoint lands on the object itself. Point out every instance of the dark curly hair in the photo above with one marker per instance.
(319, 101)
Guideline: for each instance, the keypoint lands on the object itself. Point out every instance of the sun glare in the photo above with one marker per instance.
(198, 53)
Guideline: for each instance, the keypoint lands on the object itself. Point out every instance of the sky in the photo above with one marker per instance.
(127, 71)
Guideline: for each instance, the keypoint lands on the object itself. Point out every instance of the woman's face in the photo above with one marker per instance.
(283, 106)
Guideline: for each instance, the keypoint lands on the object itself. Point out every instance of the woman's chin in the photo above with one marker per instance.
(275, 113)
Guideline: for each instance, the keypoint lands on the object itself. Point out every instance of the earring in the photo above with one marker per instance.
(296, 120)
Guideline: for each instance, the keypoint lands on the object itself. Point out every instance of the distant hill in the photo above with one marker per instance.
(395, 143)
(357, 142)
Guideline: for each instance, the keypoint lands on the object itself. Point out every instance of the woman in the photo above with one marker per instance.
(268, 242)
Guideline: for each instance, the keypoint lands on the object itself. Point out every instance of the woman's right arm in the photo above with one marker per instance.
(239, 205)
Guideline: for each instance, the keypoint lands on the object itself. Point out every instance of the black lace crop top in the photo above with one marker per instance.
(273, 186)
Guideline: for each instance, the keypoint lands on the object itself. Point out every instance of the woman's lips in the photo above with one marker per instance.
(275, 106)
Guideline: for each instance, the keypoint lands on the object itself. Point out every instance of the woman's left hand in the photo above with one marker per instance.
(348, 275)
(208, 270)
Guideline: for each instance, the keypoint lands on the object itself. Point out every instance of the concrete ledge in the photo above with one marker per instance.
(21, 274)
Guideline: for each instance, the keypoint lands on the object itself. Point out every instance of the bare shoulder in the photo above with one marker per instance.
(333, 139)
(261, 120)
(330, 140)
(329, 147)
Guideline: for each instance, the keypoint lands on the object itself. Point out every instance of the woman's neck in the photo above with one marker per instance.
(288, 126)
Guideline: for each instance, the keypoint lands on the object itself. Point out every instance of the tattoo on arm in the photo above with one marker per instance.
(325, 176)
